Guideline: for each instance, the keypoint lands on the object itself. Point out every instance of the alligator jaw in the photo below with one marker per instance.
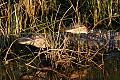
(24, 41)
(36, 40)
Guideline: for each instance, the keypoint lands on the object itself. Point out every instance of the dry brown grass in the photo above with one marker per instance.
(52, 16)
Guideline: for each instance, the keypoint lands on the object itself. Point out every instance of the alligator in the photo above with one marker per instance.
(36, 39)
(93, 38)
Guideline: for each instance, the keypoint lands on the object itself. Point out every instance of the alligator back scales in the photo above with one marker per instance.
(99, 39)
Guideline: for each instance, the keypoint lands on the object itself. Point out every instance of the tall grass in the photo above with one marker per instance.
(18, 18)
(32, 15)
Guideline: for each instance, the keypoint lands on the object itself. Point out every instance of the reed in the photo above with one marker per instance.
(18, 18)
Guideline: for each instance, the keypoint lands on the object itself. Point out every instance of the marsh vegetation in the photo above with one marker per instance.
(18, 18)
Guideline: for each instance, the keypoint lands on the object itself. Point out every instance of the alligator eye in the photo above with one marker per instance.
(36, 36)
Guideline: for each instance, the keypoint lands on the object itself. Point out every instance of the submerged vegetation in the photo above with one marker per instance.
(20, 17)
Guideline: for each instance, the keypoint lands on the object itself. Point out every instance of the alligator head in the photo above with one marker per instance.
(76, 29)
(36, 39)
